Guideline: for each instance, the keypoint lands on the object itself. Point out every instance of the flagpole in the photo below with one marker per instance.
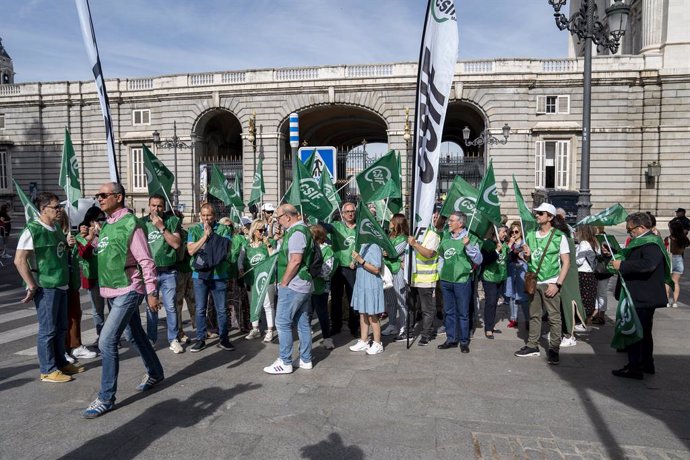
(385, 208)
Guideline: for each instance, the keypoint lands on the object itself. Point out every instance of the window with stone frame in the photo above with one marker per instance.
(551, 105)
(137, 172)
(5, 173)
(552, 164)
(141, 117)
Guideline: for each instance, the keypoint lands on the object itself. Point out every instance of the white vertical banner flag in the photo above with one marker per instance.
(437, 58)
(92, 50)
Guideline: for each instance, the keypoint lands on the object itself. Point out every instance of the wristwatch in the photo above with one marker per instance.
(153, 294)
(559, 286)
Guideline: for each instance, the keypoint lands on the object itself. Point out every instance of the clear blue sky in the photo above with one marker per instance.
(158, 37)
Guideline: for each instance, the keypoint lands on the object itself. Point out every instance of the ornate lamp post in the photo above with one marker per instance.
(606, 35)
(172, 143)
(251, 137)
(407, 136)
(485, 137)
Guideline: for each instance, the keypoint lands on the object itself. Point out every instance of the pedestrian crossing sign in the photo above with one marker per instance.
(325, 160)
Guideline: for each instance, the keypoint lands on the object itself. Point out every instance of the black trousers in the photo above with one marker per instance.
(640, 353)
(342, 283)
(423, 300)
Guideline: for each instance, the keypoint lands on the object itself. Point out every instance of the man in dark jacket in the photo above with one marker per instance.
(643, 271)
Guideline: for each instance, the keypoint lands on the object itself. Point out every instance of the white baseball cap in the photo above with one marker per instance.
(546, 207)
(268, 207)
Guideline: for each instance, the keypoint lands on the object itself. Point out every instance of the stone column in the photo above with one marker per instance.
(652, 26)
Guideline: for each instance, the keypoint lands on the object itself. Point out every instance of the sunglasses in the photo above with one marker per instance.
(539, 213)
(57, 207)
(103, 196)
(268, 212)
(278, 216)
(348, 212)
(515, 232)
(629, 230)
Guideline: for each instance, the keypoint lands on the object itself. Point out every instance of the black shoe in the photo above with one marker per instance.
(465, 348)
(198, 346)
(403, 337)
(226, 345)
(646, 368)
(553, 357)
(447, 345)
(527, 352)
(489, 335)
(628, 373)
(424, 341)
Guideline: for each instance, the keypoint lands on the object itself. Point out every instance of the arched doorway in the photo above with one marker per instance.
(357, 133)
(218, 142)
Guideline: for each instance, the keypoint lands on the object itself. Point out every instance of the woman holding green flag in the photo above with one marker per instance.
(494, 275)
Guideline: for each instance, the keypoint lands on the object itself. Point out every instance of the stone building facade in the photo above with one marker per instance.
(640, 117)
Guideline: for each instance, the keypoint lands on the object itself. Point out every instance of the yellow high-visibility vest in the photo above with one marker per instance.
(426, 268)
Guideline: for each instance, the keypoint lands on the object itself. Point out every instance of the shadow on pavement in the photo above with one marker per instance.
(332, 448)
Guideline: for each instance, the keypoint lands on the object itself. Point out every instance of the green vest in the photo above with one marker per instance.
(551, 267)
(73, 263)
(238, 242)
(343, 238)
(113, 246)
(321, 283)
(457, 267)
(283, 255)
(50, 249)
(89, 267)
(496, 271)
(394, 263)
(195, 234)
(253, 257)
(163, 254)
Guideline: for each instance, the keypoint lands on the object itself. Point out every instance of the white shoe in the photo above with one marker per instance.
(580, 328)
(82, 352)
(375, 348)
(389, 330)
(270, 335)
(176, 347)
(302, 365)
(70, 359)
(359, 346)
(674, 305)
(328, 344)
(568, 342)
(253, 334)
(278, 367)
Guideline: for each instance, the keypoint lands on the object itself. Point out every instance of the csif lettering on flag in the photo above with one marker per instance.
(69, 172)
(487, 199)
(263, 277)
(381, 180)
(462, 197)
(438, 56)
(89, 35)
(370, 232)
(628, 329)
(308, 196)
(159, 179)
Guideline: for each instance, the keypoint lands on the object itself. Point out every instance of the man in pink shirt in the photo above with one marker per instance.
(126, 273)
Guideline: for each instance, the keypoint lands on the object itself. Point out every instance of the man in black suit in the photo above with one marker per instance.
(644, 272)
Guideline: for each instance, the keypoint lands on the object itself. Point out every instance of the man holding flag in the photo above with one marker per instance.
(643, 273)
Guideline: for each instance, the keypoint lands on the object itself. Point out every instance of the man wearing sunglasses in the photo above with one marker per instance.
(547, 253)
(126, 275)
(41, 261)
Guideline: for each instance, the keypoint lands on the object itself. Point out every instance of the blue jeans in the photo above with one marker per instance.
(491, 291)
(293, 308)
(218, 289)
(124, 312)
(51, 311)
(167, 287)
(456, 308)
(319, 305)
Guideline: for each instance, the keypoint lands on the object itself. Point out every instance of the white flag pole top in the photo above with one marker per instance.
(294, 130)
(438, 56)
(89, 36)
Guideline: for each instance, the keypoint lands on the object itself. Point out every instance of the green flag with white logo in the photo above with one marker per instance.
(263, 278)
(487, 198)
(529, 223)
(628, 329)
(368, 231)
(30, 211)
(220, 187)
(69, 172)
(258, 188)
(158, 178)
(381, 180)
(238, 200)
(308, 196)
(612, 215)
(462, 196)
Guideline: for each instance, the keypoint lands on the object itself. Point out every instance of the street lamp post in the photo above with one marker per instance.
(587, 26)
(407, 136)
(485, 137)
(173, 143)
(251, 137)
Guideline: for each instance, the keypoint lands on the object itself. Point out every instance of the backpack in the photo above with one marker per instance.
(316, 264)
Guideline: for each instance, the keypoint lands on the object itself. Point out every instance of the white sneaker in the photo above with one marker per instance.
(82, 352)
(359, 346)
(389, 330)
(278, 367)
(674, 305)
(303, 365)
(375, 348)
(568, 342)
(580, 328)
(176, 347)
(253, 334)
(270, 335)
(70, 359)
(328, 344)
(441, 330)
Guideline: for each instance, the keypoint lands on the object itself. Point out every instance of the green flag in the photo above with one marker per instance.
(308, 197)
(462, 196)
(235, 216)
(628, 329)
(369, 231)
(328, 189)
(221, 188)
(69, 172)
(239, 200)
(258, 188)
(263, 278)
(612, 215)
(529, 223)
(158, 178)
(381, 180)
(30, 211)
(487, 198)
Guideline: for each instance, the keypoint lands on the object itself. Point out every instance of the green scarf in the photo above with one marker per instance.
(651, 238)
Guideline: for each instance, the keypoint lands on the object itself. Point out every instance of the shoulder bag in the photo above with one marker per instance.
(531, 277)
